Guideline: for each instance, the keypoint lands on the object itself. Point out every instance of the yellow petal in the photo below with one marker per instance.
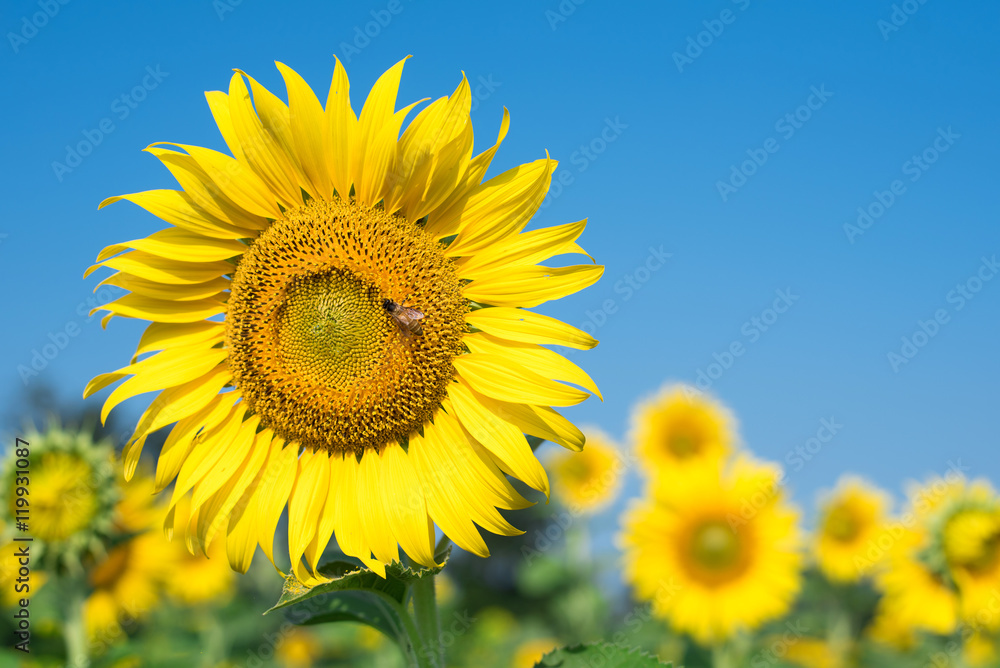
(373, 518)
(235, 180)
(305, 503)
(209, 447)
(273, 493)
(377, 112)
(540, 421)
(521, 249)
(179, 208)
(547, 363)
(166, 291)
(241, 538)
(160, 335)
(218, 102)
(342, 124)
(516, 324)
(349, 527)
(498, 436)
(502, 206)
(165, 369)
(374, 180)
(260, 147)
(446, 220)
(310, 131)
(498, 377)
(179, 244)
(146, 308)
(181, 437)
(405, 506)
(216, 512)
(235, 451)
(531, 286)
(196, 182)
(160, 270)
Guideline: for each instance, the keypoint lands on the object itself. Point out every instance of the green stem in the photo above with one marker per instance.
(721, 656)
(74, 630)
(426, 614)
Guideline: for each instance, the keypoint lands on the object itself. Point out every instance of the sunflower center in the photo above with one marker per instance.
(683, 445)
(972, 540)
(716, 552)
(314, 350)
(841, 524)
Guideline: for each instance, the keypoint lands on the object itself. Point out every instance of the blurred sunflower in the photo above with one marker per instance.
(979, 649)
(680, 428)
(716, 551)
(349, 269)
(126, 586)
(192, 578)
(851, 520)
(299, 648)
(969, 537)
(72, 495)
(812, 653)
(531, 652)
(590, 479)
(917, 589)
(888, 628)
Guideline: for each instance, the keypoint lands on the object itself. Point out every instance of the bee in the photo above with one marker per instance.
(407, 318)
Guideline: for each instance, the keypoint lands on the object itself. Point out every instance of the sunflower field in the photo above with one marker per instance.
(375, 385)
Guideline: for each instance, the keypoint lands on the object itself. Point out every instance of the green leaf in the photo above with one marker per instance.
(602, 654)
(346, 576)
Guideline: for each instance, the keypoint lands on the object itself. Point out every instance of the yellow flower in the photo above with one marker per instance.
(70, 495)
(531, 652)
(851, 521)
(812, 653)
(890, 629)
(589, 480)
(912, 575)
(298, 649)
(680, 428)
(716, 551)
(193, 578)
(355, 374)
(126, 586)
(979, 650)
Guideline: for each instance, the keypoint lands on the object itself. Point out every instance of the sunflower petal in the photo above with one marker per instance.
(547, 363)
(305, 502)
(179, 208)
(515, 324)
(532, 286)
(273, 493)
(405, 506)
(181, 438)
(522, 249)
(497, 377)
(161, 270)
(179, 244)
(310, 131)
(342, 124)
(147, 308)
(166, 291)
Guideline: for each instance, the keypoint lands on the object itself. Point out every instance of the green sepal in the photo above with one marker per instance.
(602, 654)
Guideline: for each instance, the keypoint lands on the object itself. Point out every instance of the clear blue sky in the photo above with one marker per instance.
(647, 125)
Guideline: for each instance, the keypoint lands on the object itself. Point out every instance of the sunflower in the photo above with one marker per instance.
(319, 308)
(717, 551)
(190, 578)
(126, 587)
(913, 575)
(72, 495)
(812, 653)
(851, 520)
(299, 648)
(590, 479)
(681, 428)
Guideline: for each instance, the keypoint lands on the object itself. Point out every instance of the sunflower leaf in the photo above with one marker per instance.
(345, 576)
(603, 654)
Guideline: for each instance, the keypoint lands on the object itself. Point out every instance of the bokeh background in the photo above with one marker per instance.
(653, 110)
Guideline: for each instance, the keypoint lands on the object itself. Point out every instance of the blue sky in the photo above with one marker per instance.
(718, 149)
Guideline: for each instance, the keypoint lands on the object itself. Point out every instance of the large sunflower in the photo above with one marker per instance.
(318, 305)
(717, 552)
